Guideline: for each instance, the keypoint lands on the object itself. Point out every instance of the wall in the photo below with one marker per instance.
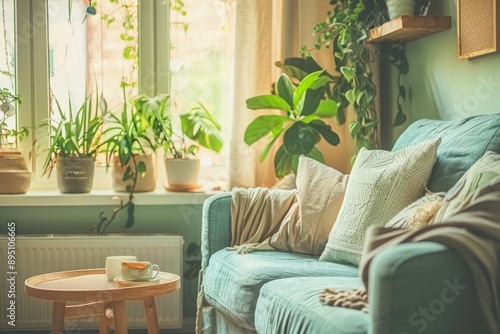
(439, 85)
(180, 219)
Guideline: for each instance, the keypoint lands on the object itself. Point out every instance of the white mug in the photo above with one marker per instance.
(113, 265)
(139, 270)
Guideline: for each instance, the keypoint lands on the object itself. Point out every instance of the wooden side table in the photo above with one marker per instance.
(83, 293)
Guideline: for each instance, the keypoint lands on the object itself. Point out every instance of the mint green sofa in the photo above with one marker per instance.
(414, 288)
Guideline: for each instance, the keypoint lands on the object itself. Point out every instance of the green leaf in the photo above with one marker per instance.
(327, 108)
(285, 89)
(326, 132)
(263, 125)
(354, 128)
(130, 215)
(400, 119)
(316, 155)
(402, 92)
(348, 72)
(311, 101)
(340, 116)
(200, 126)
(350, 95)
(268, 102)
(304, 85)
(282, 163)
(141, 168)
(269, 145)
(299, 139)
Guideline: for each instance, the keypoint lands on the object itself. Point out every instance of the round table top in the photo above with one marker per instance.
(92, 285)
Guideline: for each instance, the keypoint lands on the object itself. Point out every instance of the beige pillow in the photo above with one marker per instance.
(381, 184)
(320, 191)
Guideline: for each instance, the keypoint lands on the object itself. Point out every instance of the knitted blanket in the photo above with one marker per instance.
(473, 232)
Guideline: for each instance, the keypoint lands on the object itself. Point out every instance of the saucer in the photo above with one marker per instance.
(122, 282)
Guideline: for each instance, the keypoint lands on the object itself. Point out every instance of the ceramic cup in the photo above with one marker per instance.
(139, 270)
(113, 265)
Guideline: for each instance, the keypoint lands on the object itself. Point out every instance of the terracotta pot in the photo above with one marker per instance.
(400, 7)
(182, 174)
(15, 178)
(144, 184)
(75, 175)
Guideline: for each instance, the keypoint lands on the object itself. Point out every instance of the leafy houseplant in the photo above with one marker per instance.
(346, 31)
(301, 126)
(176, 139)
(74, 142)
(15, 177)
(128, 143)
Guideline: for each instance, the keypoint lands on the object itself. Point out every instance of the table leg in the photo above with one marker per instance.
(151, 317)
(58, 309)
(120, 316)
(103, 326)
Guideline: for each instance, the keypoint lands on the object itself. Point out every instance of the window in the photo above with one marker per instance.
(181, 46)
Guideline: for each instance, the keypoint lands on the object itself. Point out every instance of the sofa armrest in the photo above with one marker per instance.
(216, 226)
(422, 287)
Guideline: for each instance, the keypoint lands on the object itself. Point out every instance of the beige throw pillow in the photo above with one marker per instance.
(381, 184)
(320, 191)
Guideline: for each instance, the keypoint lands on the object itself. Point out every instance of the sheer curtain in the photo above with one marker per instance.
(267, 31)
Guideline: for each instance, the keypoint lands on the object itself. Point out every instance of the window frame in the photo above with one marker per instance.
(32, 67)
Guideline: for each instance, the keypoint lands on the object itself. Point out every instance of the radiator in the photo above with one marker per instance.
(38, 254)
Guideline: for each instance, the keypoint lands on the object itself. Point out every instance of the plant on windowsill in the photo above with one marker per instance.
(74, 136)
(15, 178)
(177, 139)
(300, 125)
(129, 145)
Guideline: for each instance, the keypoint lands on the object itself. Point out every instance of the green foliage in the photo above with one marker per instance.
(346, 32)
(77, 132)
(197, 125)
(300, 126)
(8, 102)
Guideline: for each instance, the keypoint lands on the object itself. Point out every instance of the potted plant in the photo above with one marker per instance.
(15, 178)
(129, 145)
(74, 142)
(397, 8)
(300, 126)
(181, 140)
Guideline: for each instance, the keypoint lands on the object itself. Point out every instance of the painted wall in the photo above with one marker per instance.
(179, 219)
(439, 85)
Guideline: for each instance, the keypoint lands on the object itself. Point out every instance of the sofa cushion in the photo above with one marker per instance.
(381, 184)
(463, 142)
(292, 306)
(232, 281)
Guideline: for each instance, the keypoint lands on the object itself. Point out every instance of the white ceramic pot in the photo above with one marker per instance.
(400, 7)
(182, 174)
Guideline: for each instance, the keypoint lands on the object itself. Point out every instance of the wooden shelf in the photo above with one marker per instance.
(407, 28)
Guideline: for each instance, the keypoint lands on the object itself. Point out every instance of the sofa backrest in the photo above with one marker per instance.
(463, 142)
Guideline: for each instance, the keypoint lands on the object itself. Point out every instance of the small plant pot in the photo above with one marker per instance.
(15, 178)
(398, 8)
(144, 184)
(182, 174)
(75, 175)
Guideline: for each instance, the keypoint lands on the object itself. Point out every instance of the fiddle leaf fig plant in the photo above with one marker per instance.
(300, 126)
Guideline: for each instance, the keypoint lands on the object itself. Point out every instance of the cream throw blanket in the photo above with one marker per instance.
(473, 232)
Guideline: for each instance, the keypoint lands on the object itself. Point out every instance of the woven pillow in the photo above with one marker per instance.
(320, 191)
(381, 184)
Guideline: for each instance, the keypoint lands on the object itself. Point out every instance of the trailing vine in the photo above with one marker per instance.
(346, 32)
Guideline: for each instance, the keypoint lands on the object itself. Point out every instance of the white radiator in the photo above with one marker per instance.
(38, 254)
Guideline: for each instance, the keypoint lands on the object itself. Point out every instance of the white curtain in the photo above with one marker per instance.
(267, 31)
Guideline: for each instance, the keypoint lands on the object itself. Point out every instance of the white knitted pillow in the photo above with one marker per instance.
(381, 184)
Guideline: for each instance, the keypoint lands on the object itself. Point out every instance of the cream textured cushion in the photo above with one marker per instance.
(381, 184)
(320, 191)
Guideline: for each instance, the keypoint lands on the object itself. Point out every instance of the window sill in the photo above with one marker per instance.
(103, 197)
